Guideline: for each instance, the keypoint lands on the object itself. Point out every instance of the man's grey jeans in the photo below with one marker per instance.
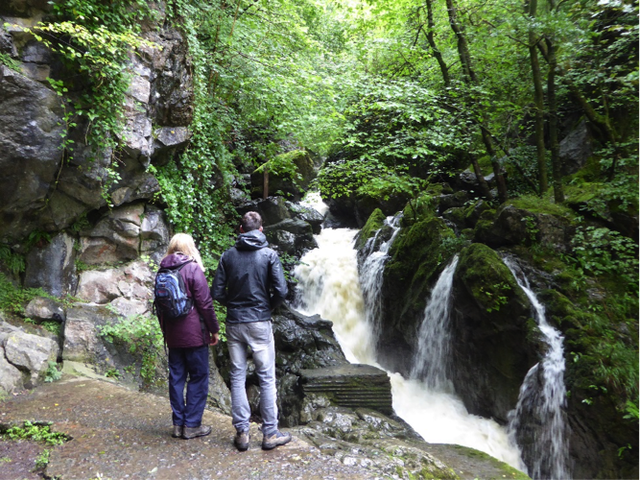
(258, 336)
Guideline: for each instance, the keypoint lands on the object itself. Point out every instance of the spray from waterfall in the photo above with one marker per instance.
(542, 399)
(432, 360)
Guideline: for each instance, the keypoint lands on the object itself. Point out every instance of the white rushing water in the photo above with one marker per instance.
(371, 274)
(544, 402)
(329, 285)
(434, 338)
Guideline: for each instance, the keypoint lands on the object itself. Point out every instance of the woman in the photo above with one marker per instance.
(188, 338)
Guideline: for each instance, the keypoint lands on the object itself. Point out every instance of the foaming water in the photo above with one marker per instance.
(329, 286)
(314, 200)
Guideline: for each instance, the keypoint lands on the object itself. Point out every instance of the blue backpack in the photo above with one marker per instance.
(171, 298)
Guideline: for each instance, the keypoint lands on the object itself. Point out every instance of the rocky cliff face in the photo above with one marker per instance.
(81, 230)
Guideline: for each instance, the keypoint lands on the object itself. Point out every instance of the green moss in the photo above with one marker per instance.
(374, 223)
(422, 207)
(488, 279)
(507, 470)
(536, 204)
(418, 246)
(582, 192)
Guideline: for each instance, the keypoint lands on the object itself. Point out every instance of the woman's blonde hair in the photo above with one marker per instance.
(183, 243)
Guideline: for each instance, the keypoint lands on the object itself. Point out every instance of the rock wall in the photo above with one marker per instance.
(89, 240)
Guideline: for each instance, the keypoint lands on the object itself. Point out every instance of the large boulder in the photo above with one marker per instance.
(127, 289)
(82, 341)
(10, 375)
(519, 226)
(493, 334)
(290, 181)
(575, 149)
(44, 308)
(30, 354)
(115, 238)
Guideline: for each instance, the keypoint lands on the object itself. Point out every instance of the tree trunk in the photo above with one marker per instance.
(265, 183)
(432, 43)
(558, 192)
(538, 98)
(470, 79)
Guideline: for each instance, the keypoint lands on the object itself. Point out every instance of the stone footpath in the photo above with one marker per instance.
(119, 433)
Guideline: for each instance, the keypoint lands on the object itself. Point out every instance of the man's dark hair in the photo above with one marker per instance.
(251, 221)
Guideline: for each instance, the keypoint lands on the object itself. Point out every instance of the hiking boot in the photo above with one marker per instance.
(193, 432)
(177, 431)
(242, 441)
(275, 440)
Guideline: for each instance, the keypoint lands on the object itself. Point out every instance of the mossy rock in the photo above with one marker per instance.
(495, 340)
(488, 280)
(415, 256)
(374, 223)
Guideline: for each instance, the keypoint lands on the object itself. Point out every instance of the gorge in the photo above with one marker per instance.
(440, 291)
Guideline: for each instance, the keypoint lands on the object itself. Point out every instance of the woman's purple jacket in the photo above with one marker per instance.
(186, 332)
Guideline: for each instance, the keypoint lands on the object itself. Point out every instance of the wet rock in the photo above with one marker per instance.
(51, 266)
(292, 236)
(493, 334)
(308, 215)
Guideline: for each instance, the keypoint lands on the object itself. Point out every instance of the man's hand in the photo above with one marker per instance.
(214, 339)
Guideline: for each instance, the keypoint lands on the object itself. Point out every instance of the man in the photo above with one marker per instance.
(250, 283)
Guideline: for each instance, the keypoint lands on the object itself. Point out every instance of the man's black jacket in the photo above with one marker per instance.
(249, 281)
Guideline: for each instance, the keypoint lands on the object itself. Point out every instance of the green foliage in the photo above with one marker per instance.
(142, 336)
(10, 261)
(600, 251)
(52, 374)
(42, 460)
(13, 299)
(6, 59)
(36, 431)
(495, 296)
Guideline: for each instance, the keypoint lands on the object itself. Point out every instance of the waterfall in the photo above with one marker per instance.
(434, 337)
(329, 285)
(371, 274)
(542, 398)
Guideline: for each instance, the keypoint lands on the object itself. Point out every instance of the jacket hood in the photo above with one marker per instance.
(253, 240)
(174, 260)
